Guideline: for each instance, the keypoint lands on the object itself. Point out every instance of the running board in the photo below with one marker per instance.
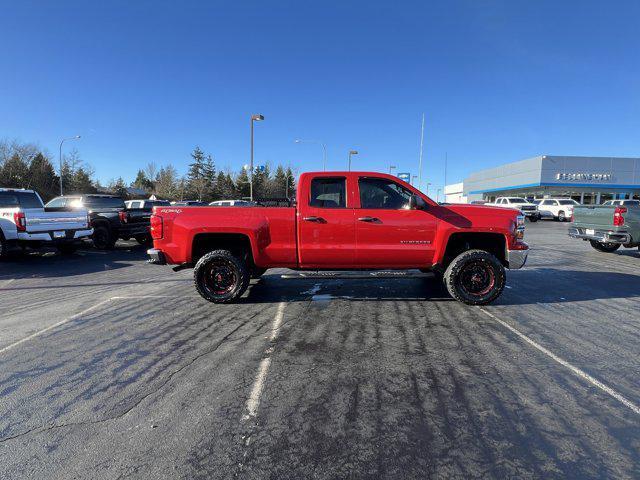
(357, 275)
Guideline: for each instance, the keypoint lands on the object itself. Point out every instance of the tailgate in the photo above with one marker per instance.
(594, 216)
(41, 221)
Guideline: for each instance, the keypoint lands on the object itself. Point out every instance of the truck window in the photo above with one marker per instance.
(8, 200)
(104, 202)
(328, 193)
(58, 202)
(383, 194)
(28, 200)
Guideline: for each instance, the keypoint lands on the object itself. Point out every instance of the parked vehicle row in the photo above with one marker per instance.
(25, 222)
(528, 209)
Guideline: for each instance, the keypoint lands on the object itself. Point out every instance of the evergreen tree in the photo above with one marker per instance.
(118, 187)
(82, 182)
(15, 172)
(142, 181)
(225, 188)
(242, 184)
(290, 184)
(279, 182)
(201, 175)
(43, 178)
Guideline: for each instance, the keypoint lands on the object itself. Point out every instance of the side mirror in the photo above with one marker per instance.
(417, 203)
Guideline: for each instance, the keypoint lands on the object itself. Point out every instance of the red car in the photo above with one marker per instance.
(343, 221)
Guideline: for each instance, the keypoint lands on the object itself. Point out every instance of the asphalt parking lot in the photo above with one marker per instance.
(112, 368)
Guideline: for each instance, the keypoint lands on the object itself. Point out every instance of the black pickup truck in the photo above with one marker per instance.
(110, 218)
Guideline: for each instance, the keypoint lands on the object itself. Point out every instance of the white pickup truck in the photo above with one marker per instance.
(25, 222)
(530, 210)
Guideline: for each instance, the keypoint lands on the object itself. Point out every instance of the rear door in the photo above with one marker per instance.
(326, 229)
(388, 233)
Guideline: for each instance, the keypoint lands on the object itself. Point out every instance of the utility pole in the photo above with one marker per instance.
(420, 161)
(64, 140)
(254, 118)
(351, 152)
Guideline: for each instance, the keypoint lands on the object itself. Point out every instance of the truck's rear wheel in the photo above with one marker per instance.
(221, 277)
(475, 277)
(102, 238)
(4, 250)
(144, 239)
(604, 246)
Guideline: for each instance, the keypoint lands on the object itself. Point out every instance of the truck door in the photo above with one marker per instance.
(326, 225)
(388, 233)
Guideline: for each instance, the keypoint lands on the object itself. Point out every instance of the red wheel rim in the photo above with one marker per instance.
(220, 277)
(477, 278)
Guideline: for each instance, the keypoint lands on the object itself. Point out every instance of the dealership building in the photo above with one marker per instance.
(589, 180)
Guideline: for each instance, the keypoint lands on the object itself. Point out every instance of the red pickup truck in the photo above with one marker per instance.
(343, 221)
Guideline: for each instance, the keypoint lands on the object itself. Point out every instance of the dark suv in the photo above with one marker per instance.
(110, 218)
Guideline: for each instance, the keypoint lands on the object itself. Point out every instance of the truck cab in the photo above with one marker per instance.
(343, 221)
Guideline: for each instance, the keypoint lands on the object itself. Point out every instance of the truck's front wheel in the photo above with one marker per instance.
(604, 246)
(475, 277)
(221, 277)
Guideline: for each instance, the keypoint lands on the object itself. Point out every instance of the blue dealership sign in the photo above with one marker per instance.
(406, 177)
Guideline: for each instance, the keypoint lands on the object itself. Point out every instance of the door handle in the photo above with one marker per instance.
(368, 219)
(314, 219)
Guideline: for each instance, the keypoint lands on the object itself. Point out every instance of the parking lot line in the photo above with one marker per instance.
(4, 283)
(51, 327)
(253, 402)
(575, 370)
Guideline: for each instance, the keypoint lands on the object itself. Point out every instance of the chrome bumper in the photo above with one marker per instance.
(600, 236)
(517, 258)
(156, 257)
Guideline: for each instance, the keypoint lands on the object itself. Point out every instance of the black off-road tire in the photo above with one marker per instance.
(460, 277)
(233, 272)
(67, 248)
(533, 218)
(144, 239)
(604, 247)
(561, 216)
(257, 272)
(4, 248)
(102, 238)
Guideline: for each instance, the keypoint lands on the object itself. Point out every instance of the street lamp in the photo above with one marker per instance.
(413, 179)
(391, 167)
(254, 118)
(324, 150)
(427, 192)
(438, 194)
(64, 140)
(351, 152)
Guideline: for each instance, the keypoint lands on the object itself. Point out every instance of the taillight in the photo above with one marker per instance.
(156, 227)
(618, 219)
(124, 216)
(20, 221)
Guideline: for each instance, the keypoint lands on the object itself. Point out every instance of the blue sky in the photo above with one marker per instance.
(498, 81)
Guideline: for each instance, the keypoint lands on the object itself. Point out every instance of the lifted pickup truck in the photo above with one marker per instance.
(608, 226)
(24, 222)
(343, 221)
(110, 218)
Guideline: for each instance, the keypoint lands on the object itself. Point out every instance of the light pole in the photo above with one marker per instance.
(438, 194)
(254, 118)
(351, 152)
(324, 150)
(427, 192)
(64, 140)
(413, 178)
(391, 167)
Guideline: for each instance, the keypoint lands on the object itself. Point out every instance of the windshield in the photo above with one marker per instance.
(517, 200)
